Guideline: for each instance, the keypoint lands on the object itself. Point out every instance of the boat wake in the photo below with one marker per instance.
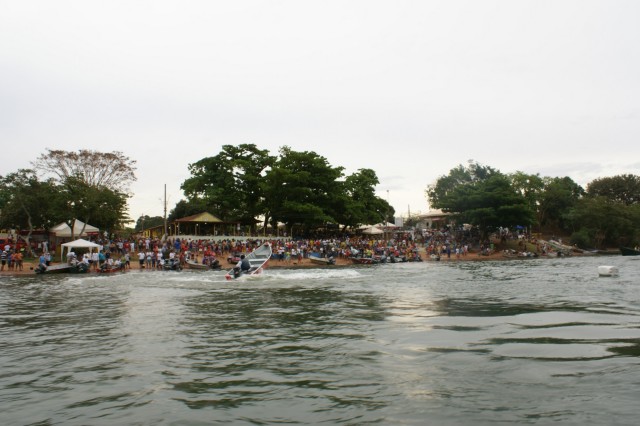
(311, 274)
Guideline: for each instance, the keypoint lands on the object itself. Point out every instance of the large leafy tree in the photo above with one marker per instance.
(228, 184)
(605, 222)
(623, 189)
(358, 203)
(560, 195)
(301, 189)
(481, 196)
(531, 187)
(549, 198)
(101, 206)
(94, 184)
(96, 169)
(458, 176)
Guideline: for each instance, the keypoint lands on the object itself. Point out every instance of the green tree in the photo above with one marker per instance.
(458, 176)
(623, 189)
(605, 222)
(93, 185)
(560, 195)
(481, 196)
(301, 189)
(531, 187)
(358, 203)
(146, 222)
(102, 207)
(185, 208)
(229, 183)
(26, 202)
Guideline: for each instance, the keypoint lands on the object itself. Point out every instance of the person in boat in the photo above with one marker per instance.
(215, 264)
(243, 265)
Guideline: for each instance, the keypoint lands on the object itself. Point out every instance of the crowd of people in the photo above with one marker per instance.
(154, 253)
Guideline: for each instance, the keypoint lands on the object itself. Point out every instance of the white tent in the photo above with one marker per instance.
(386, 225)
(64, 231)
(79, 244)
(372, 230)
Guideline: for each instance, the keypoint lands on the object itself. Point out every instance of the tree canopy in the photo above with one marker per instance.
(298, 188)
(623, 189)
(481, 196)
(228, 184)
(112, 170)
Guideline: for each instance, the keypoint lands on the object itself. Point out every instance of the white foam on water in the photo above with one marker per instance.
(312, 274)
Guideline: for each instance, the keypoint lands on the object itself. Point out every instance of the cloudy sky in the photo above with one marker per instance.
(409, 89)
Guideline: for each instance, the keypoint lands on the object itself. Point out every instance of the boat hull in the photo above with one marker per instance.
(626, 251)
(258, 260)
(364, 260)
(110, 270)
(322, 260)
(189, 264)
(80, 268)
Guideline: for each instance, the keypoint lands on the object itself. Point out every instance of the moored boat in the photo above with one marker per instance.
(364, 260)
(78, 268)
(322, 260)
(110, 269)
(257, 260)
(627, 251)
(190, 264)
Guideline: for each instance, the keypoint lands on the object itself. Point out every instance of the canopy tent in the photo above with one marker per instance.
(372, 230)
(381, 225)
(386, 225)
(63, 230)
(80, 243)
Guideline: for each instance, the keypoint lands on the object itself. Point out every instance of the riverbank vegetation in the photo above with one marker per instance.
(605, 214)
(303, 191)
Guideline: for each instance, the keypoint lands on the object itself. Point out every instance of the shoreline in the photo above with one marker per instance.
(28, 267)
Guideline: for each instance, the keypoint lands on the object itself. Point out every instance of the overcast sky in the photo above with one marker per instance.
(409, 89)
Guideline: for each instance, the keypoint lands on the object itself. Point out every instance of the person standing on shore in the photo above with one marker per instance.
(3, 259)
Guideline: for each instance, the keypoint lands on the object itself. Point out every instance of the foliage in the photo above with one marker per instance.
(458, 176)
(357, 202)
(582, 239)
(531, 187)
(605, 222)
(560, 195)
(112, 170)
(27, 203)
(187, 208)
(228, 184)
(301, 189)
(623, 189)
(102, 207)
(481, 196)
(146, 222)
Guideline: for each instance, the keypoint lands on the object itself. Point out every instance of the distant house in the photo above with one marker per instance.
(434, 218)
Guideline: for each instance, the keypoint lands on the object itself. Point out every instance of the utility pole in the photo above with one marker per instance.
(165, 210)
(386, 219)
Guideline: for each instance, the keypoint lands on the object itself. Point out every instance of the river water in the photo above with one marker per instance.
(518, 342)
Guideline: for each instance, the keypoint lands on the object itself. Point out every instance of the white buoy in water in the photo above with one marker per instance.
(607, 271)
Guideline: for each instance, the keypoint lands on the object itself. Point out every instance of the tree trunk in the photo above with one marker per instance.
(28, 238)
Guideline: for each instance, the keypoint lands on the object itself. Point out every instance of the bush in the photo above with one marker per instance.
(582, 239)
